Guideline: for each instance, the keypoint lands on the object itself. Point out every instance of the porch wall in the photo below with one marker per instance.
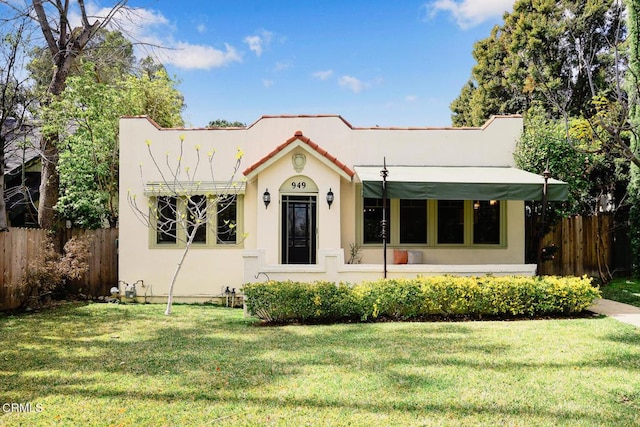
(331, 267)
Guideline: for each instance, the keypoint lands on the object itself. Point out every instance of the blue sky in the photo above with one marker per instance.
(374, 62)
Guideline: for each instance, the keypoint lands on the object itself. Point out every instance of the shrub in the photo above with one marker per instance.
(305, 302)
(406, 299)
(48, 271)
(392, 298)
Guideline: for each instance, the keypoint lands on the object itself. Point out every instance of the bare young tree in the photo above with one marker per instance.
(180, 207)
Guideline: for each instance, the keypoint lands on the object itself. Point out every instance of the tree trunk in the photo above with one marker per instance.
(50, 179)
(49, 184)
(175, 275)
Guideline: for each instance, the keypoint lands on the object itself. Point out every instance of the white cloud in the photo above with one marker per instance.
(137, 23)
(411, 98)
(255, 44)
(201, 28)
(353, 84)
(356, 85)
(469, 13)
(192, 56)
(282, 65)
(267, 83)
(323, 75)
(258, 42)
(153, 34)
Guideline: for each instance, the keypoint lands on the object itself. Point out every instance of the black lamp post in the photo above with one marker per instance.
(543, 220)
(384, 173)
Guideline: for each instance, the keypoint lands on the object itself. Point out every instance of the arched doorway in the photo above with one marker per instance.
(299, 214)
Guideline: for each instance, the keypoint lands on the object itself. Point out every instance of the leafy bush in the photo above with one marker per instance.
(294, 301)
(423, 297)
(395, 298)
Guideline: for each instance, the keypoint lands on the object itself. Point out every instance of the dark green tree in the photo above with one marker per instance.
(633, 86)
(588, 173)
(559, 53)
(222, 123)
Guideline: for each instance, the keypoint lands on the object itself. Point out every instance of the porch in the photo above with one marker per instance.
(330, 266)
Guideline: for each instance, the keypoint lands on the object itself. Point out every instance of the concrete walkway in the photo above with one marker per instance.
(623, 312)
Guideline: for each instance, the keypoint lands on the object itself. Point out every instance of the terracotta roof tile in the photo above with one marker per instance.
(299, 136)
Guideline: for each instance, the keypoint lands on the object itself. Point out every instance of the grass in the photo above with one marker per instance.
(129, 365)
(623, 290)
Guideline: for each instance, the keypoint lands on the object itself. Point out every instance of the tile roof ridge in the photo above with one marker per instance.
(299, 136)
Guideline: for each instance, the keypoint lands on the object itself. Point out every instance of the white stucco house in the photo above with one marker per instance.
(310, 188)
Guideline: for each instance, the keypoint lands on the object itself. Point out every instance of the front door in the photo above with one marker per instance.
(298, 229)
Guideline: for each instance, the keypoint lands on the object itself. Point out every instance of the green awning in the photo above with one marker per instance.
(459, 183)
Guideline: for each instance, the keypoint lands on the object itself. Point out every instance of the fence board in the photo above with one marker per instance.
(585, 246)
(20, 245)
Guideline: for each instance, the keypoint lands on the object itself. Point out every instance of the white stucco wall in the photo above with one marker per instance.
(269, 228)
(207, 271)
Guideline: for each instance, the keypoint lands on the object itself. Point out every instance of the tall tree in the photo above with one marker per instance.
(462, 115)
(86, 117)
(110, 52)
(488, 92)
(65, 44)
(633, 89)
(152, 92)
(557, 52)
(14, 93)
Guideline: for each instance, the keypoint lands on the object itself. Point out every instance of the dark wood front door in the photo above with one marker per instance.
(298, 229)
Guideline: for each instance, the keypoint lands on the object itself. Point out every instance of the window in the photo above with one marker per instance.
(166, 230)
(465, 223)
(178, 217)
(197, 218)
(450, 221)
(486, 222)
(372, 221)
(226, 224)
(413, 221)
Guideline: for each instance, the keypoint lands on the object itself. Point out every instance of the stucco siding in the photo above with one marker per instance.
(333, 144)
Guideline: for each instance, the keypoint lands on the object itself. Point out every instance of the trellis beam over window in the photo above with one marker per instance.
(190, 188)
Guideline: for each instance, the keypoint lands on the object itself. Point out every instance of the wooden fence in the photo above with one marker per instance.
(584, 246)
(20, 245)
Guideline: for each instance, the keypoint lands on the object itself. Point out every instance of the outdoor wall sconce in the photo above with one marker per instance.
(330, 198)
(266, 198)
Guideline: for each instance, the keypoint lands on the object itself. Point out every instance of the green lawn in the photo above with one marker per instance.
(623, 290)
(129, 365)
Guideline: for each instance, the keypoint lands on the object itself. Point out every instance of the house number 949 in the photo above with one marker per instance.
(300, 185)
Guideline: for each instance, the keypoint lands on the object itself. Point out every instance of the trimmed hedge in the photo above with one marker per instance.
(296, 301)
(422, 297)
